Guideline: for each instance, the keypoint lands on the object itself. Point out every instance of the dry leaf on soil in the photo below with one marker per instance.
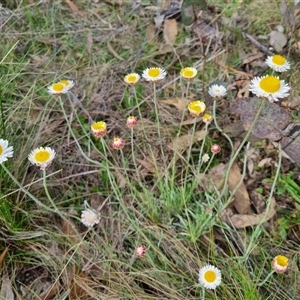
(246, 220)
(6, 291)
(215, 180)
(170, 31)
(179, 103)
(2, 255)
(76, 290)
(74, 8)
(183, 142)
(278, 40)
(241, 197)
(150, 33)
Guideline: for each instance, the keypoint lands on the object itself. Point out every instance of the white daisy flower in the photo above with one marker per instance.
(205, 158)
(216, 90)
(42, 157)
(270, 87)
(58, 88)
(89, 217)
(210, 277)
(68, 83)
(5, 151)
(278, 63)
(154, 74)
(188, 73)
(132, 78)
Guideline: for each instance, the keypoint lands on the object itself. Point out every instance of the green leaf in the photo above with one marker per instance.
(190, 9)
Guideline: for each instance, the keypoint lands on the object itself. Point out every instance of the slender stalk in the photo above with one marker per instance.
(38, 202)
(219, 128)
(266, 279)
(232, 159)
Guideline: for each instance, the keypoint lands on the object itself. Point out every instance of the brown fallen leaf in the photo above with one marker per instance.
(148, 165)
(183, 142)
(6, 291)
(74, 8)
(77, 292)
(2, 255)
(179, 103)
(68, 228)
(252, 57)
(192, 120)
(214, 179)
(150, 33)
(170, 31)
(246, 220)
(241, 197)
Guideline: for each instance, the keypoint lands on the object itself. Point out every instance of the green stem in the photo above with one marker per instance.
(232, 159)
(219, 128)
(38, 202)
(266, 279)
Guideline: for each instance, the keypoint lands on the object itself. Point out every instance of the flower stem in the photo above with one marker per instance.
(38, 202)
(266, 279)
(232, 159)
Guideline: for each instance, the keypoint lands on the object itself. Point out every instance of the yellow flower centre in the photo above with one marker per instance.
(1, 150)
(210, 276)
(187, 73)
(132, 78)
(282, 261)
(58, 87)
(99, 126)
(154, 72)
(42, 156)
(270, 84)
(278, 60)
(65, 82)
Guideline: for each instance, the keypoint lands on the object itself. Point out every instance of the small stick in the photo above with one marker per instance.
(257, 44)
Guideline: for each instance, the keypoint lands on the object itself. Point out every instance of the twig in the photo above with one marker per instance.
(257, 43)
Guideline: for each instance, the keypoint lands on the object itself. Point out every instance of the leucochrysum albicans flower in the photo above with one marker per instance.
(131, 121)
(5, 150)
(188, 73)
(280, 264)
(205, 158)
(132, 78)
(270, 87)
(42, 157)
(99, 129)
(89, 217)
(278, 63)
(61, 87)
(154, 74)
(207, 118)
(217, 91)
(210, 277)
(196, 108)
(118, 143)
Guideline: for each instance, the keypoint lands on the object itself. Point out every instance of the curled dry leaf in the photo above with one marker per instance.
(246, 220)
